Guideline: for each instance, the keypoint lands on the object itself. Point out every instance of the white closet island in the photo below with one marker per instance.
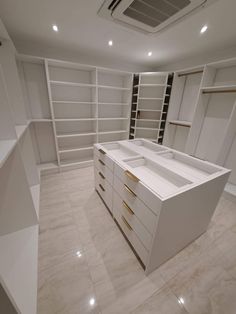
(161, 199)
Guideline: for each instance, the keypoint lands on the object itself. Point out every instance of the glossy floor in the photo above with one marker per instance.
(86, 266)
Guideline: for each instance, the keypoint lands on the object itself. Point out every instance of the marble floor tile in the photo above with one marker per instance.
(86, 265)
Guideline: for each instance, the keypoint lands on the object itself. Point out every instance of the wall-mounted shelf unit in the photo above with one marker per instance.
(151, 93)
(183, 101)
(81, 104)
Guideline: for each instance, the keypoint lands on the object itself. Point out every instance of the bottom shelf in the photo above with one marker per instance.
(49, 167)
(19, 267)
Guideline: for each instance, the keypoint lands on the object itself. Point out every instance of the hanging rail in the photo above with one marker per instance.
(219, 91)
(190, 73)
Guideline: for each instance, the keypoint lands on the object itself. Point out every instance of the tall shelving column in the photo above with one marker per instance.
(114, 101)
(151, 95)
(74, 99)
(134, 106)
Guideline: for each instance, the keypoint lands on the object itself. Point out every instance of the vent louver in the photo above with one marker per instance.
(149, 16)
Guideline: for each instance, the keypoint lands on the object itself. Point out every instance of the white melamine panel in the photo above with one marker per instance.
(69, 110)
(72, 93)
(180, 138)
(81, 75)
(146, 133)
(113, 111)
(113, 78)
(76, 142)
(151, 91)
(102, 138)
(76, 156)
(147, 123)
(189, 97)
(113, 95)
(152, 104)
(153, 78)
(230, 162)
(18, 268)
(16, 205)
(43, 142)
(36, 90)
(112, 125)
(225, 76)
(149, 114)
(217, 114)
(16, 99)
(75, 127)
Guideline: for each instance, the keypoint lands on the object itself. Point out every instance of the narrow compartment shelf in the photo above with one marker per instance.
(6, 147)
(181, 123)
(72, 84)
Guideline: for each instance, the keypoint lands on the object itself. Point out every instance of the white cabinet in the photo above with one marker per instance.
(161, 199)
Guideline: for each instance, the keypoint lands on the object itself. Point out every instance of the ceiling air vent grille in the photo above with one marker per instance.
(149, 16)
(154, 12)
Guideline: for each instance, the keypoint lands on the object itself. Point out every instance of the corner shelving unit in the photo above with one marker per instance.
(151, 93)
(19, 199)
(183, 101)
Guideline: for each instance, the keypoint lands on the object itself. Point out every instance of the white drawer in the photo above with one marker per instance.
(102, 158)
(142, 233)
(143, 192)
(104, 188)
(104, 171)
(131, 236)
(145, 215)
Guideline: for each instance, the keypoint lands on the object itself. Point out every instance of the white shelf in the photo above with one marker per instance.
(113, 119)
(47, 167)
(75, 119)
(67, 163)
(113, 104)
(152, 110)
(20, 130)
(35, 192)
(75, 134)
(73, 102)
(180, 123)
(109, 132)
(114, 87)
(6, 147)
(75, 149)
(153, 129)
(18, 267)
(40, 120)
(151, 85)
(147, 120)
(72, 84)
(150, 98)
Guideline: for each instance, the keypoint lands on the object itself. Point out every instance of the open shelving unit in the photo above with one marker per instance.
(183, 101)
(151, 92)
(19, 193)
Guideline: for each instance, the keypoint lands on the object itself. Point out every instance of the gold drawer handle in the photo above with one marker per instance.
(127, 224)
(129, 190)
(131, 176)
(101, 162)
(101, 175)
(128, 208)
(102, 188)
(102, 151)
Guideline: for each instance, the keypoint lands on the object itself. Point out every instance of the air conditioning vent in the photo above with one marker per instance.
(149, 15)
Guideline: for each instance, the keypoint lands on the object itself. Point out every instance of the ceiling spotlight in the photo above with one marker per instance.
(150, 53)
(203, 29)
(92, 301)
(110, 42)
(55, 28)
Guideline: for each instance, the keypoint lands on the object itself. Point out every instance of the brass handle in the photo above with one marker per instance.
(131, 176)
(129, 190)
(101, 175)
(127, 224)
(102, 188)
(101, 162)
(102, 151)
(128, 208)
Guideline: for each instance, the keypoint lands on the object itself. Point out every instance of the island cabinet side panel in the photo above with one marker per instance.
(183, 218)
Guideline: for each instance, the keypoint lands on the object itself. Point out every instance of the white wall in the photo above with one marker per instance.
(199, 60)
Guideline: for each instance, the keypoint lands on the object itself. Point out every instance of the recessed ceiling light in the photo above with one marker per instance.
(203, 29)
(110, 42)
(55, 28)
(150, 53)
(92, 301)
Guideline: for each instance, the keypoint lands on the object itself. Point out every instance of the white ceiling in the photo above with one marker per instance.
(81, 31)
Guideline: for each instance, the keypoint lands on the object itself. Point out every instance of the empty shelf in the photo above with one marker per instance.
(113, 87)
(181, 123)
(41, 120)
(74, 102)
(113, 104)
(113, 119)
(73, 162)
(61, 135)
(6, 147)
(115, 131)
(74, 149)
(72, 84)
(75, 119)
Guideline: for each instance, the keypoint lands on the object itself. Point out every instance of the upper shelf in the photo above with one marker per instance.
(72, 84)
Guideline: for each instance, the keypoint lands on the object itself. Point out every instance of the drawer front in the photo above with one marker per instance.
(131, 235)
(103, 171)
(144, 236)
(143, 193)
(102, 157)
(104, 188)
(145, 215)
